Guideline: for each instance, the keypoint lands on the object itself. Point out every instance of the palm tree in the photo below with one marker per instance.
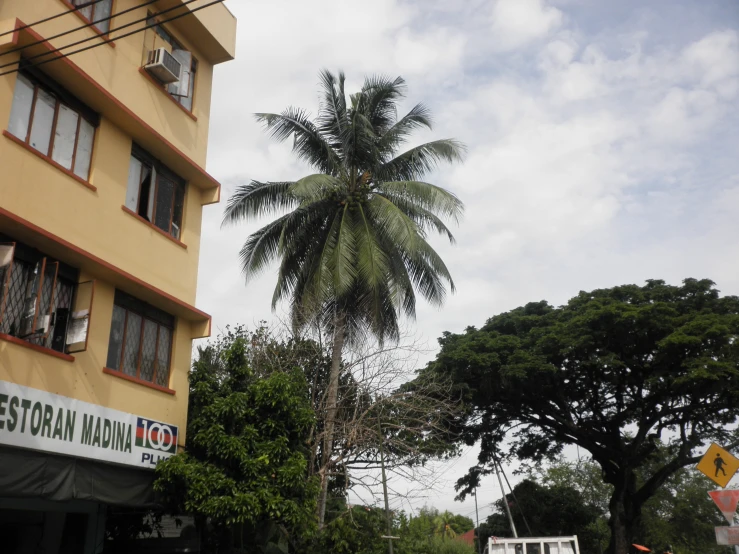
(443, 526)
(351, 238)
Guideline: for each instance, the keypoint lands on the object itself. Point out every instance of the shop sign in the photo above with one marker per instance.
(39, 420)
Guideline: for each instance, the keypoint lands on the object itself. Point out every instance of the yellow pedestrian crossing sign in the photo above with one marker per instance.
(718, 465)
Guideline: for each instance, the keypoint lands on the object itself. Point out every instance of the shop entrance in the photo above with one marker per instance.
(29, 526)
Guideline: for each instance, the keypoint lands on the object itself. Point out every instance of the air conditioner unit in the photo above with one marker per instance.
(163, 66)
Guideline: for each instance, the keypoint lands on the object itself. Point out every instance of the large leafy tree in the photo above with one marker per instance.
(351, 238)
(640, 377)
(246, 464)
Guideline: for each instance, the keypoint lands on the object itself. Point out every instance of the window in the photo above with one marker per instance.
(48, 119)
(155, 193)
(96, 11)
(38, 298)
(184, 90)
(140, 340)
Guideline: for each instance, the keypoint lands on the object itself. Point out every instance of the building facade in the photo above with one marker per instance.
(104, 112)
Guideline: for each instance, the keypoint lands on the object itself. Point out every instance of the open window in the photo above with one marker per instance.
(36, 295)
(155, 193)
(7, 250)
(39, 299)
(76, 332)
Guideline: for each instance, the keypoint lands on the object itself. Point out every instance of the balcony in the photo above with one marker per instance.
(213, 29)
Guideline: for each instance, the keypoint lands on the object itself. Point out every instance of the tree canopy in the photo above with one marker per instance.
(353, 237)
(246, 460)
(640, 377)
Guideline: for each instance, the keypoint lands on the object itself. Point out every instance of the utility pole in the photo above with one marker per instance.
(384, 491)
(505, 501)
(477, 530)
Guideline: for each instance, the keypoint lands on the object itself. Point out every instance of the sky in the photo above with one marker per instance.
(602, 142)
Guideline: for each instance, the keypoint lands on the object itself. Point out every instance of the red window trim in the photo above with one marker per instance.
(121, 375)
(76, 12)
(36, 347)
(161, 87)
(48, 160)
(191, 313)
(200, 171)
(143, 220)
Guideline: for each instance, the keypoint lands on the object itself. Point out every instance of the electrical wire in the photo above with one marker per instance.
(88, 39)
(56, 16)
(108, 40)
(69, 32)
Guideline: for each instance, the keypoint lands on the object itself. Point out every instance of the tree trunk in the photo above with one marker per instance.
(332, 395)
(625, 514)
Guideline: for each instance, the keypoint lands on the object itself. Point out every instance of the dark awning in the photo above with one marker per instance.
(30, 474)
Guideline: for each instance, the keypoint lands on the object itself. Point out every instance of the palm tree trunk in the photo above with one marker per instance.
(332, 397)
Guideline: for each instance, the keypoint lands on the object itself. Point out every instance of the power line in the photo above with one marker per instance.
(69, 32)
(88, 39)
(66, 12)
(108, 40)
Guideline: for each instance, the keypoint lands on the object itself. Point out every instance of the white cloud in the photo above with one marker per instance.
(516, 23)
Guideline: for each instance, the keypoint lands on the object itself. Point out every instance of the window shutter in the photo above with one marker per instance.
(7, 252)
(47, 296)
(182, 87)
(79, 321)
(30, 300)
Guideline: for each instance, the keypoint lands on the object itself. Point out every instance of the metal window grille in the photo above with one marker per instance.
(19, 278)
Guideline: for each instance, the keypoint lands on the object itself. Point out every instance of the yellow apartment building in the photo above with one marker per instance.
(104, 115)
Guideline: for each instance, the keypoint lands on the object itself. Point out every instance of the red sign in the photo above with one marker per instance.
(726, 500)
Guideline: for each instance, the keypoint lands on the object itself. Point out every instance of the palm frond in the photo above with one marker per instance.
(315, 187)
(258, 199)
(371, 260)
(298, 244)
(424, 195)
(332, 115)
(418, 117)
(261, 248)
(308, 143)
(425, 219)
(428, 271)
(319, 282)
(400, 283)
(390, 221)
(359, 139)
(413, 164)
(343, 262)
(382, 96)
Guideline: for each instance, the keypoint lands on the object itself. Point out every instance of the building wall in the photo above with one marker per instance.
(117, 68)
(85, 380)
(115, 248)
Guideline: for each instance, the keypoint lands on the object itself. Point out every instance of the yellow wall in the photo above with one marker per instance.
(117, 69)
(84, 379)
(92, 220)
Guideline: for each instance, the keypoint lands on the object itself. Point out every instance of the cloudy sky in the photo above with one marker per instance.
(602, 142)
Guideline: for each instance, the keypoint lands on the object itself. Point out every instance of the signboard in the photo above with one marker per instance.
(726, 500)
(39, 420)
(727, 536)
(718, 465)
